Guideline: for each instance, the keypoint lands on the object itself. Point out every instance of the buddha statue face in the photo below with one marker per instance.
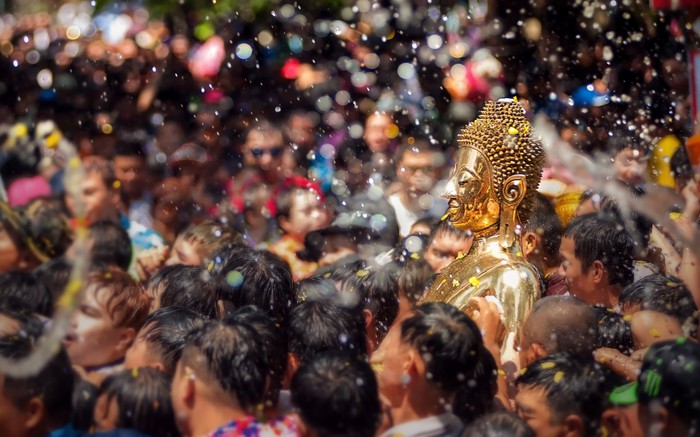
(472, 202)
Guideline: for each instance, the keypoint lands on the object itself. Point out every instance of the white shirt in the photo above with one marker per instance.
(444, 425)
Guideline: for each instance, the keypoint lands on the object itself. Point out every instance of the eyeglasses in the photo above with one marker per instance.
(273, 152)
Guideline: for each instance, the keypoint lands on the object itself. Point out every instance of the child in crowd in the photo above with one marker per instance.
(446, 243)
(184, 286)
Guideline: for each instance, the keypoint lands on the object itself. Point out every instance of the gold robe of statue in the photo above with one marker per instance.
(490, 193)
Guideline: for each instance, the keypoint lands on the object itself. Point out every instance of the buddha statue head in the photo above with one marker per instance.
(497, 172)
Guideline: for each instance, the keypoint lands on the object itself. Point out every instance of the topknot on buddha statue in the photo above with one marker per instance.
(503, 135)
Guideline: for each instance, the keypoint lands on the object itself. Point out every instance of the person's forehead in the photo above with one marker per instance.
(421, 157)
(264, 140)
(378, 119)
(129, 160)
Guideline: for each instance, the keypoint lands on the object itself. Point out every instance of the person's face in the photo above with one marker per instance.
(420, 229)
(630, 166)
(264, 151)
(586, 207)
(184, 252)
(531, 405)
(306, 214)
(392, 378)
(10, 256)
(301, 131)
(471, 203)
(132, 173)
(623, 421)
(93, 340)
(99, 200)
(443, 249)
(335, 248)
(579, 283)
(106, 415)
(375, 132)
(12, 419)
(416, 172)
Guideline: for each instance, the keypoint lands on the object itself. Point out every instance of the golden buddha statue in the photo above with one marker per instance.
(490, 193)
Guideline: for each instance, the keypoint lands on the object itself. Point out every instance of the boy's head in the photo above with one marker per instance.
(55, 275)
(663, 294)
(597, 256)
(563, 394)
(34, 405)
(558, 324)
(613, 331)
(197, 245)
(99, 191)
(160, 341)
(263, 149)
(541, 236)
(106, 322)
(188, 287)
(110, 245)
(224, 365)
(418, 167)
(131, 169)
(446, 244)
(257, 277)
(27, 288)
(300, 210)
(375, 132)
(336, 394)
(137, 399)
(630, 158)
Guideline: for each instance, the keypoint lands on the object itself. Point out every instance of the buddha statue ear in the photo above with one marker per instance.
(513, 192)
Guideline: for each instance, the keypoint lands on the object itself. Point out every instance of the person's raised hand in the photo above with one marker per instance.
(692, 201)
(150, 260)
(487, 317)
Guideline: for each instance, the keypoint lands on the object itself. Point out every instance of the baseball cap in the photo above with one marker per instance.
(670, 374)
(42, 227)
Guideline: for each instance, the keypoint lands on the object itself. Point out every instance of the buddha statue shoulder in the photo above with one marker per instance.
(490, 193)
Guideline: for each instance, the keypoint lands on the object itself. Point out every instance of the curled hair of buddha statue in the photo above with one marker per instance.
(503, 135)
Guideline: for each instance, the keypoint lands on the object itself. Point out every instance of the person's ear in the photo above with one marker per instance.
(573, 426)
(610, 422)
(35, 412)
(126, 339)
(158, 366)
(284, 224)
(189, 394)
(293, 364)
(369, 318)
(599, 272)
(414, 365)
(531, 241)
(538, 351)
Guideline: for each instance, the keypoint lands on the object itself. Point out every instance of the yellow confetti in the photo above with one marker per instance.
(135, 372)
(513, 131)
(455, 283)
(443, 281)
(654, 332)
(444, 217)
(674, 215)
(523, 370)
(501, 372)
(117, 184)
(627, 318)
(362, 273)
(519, 255)
(474, 281)
(210, 266)
(460, 255)
(558, 376)
(415, 256)
(74, 162)
(20, 129)
(548, 365)
(53, 140)
(108, 275)
(515, 99)
(327, 275)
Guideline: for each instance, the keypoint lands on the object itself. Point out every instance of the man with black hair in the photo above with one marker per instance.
(336, 395)
(435, 353)
(667, 390)
(663, 294)
(563, 395)
(558, 324)
(220, 380)
(110, 245)
(540, 240)
(29, 289)
(322, 324)
(160, 341)
(37, 405)
(446, 243)
(183, 286)
(131, 170)
(597, 258)
(257, 277)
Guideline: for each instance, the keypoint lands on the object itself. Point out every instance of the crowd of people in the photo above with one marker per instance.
(264, 215)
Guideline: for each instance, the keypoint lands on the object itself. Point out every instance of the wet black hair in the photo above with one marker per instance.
(315, 287)
(450, 344)
(545, 222)
(111, 245)
(318, 325)
(601, 237)
(274, 341)
(189, 287)
(55, 274)
(232, 355)
(613, 331)
(336, 395)
(414, 278)
(257, 277)
(26, 287)
(572, 386)
(500, 424)
(143, 399)
(664, 294)
(129, 148)
(83, 402)
(165, 331)
(53, 384)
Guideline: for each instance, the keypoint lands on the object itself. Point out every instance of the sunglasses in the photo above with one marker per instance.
(274, 152)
